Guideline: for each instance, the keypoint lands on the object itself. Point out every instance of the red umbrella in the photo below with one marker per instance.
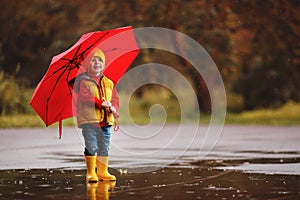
(52, 98)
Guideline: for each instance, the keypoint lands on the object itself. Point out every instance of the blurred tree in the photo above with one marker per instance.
(264, 37)
(254, 43)
(32, 32)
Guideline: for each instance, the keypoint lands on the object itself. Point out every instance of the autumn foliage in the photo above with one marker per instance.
(255, 44)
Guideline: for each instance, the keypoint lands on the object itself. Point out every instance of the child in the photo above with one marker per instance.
(97, 106)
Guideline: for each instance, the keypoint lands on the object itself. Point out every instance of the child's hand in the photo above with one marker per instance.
(106, 104)
(113, 110)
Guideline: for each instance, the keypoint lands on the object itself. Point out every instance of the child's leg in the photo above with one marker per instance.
(90, 133)
(102, 158)
(90, 138)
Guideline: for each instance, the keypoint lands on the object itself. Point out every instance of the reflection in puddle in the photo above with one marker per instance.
(283, 166)
(100, 190)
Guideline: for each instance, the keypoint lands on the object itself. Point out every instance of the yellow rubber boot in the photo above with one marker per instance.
(91, 175)
(102, 169)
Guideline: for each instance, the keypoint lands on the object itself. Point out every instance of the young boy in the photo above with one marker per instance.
(97, 106)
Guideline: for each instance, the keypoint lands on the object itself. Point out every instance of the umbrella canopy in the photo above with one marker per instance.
(52, 98)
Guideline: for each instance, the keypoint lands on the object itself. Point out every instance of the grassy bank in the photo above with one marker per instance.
(151, 105)
(289, 114)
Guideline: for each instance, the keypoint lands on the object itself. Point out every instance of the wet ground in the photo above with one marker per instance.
(201, 182)
(244, 163)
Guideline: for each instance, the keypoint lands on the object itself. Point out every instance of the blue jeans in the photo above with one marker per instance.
(96, 139)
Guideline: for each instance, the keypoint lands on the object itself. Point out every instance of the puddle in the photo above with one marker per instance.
(282, 165)
(200, 182)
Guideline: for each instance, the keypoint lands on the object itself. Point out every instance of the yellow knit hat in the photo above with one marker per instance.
(97, 52)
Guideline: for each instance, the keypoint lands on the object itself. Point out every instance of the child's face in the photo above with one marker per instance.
(96, 66)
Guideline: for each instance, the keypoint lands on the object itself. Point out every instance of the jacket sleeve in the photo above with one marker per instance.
(87, 98)
(115, 102)
(115, 99)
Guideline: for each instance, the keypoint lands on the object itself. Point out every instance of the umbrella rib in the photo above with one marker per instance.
(50, 95)
(67, 80)
(67, 68)
(114, 49)
(71, 61)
